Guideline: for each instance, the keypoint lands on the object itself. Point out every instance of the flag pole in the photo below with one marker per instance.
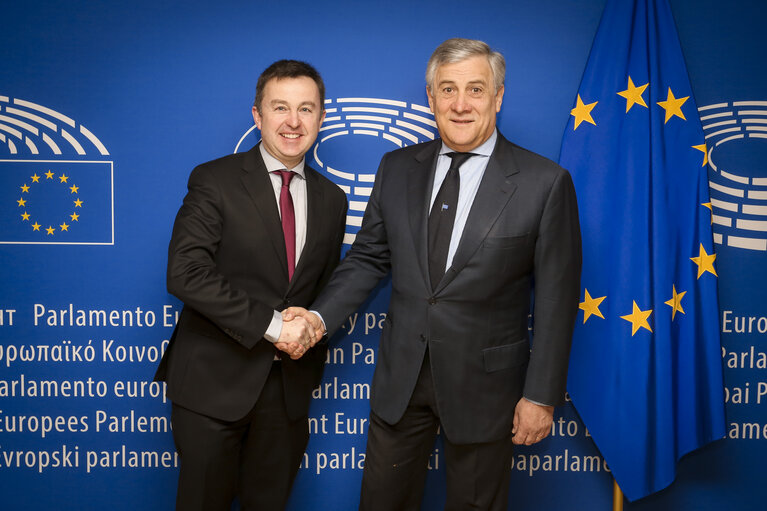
(617, 497)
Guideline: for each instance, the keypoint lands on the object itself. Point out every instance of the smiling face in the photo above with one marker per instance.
(290, 118)
(464, 102)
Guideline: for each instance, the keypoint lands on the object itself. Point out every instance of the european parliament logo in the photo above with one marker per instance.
(353, 138)
(736, 136)
(56, 186)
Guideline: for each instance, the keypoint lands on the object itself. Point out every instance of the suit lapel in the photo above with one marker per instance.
(495, 190)
(314, 215)
(420, 184)
(256, 180)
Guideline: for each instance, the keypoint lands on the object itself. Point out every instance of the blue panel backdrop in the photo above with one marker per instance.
(106, 107)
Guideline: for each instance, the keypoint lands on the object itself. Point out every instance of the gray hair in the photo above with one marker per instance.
(457, 50)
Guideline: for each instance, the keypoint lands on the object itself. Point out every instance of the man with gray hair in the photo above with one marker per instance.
(470, 226)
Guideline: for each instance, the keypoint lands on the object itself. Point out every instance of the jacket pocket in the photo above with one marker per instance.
(506, 356)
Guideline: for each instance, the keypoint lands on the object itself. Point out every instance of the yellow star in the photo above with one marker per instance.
(673, 106)
(35, 226)
(25, 216)
(50, 230)
(78, 203)
(590, 306)
(582, 112)
(703, 149)
(74, 217)
(22, 202)
(24, 188)
(63, 178)
(64, 227)
(705, 262)
(49, 175)
(633, 95)
(74, 188)
(638, 319)
(35, 178)
(711, 208)
(676, 302)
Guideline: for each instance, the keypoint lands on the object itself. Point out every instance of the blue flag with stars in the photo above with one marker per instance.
(645, 370)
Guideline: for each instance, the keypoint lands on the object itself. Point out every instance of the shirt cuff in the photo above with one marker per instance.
(320, 316)
(537, 403)
(272, 333)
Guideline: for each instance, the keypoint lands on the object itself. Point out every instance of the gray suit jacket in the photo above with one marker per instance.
(522, 233)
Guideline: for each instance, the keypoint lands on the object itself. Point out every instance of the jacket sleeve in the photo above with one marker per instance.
(193, 276)
(557, 270)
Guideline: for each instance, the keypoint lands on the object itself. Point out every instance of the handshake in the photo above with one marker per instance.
(301, 330)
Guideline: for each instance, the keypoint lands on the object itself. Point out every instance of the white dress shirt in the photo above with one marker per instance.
(298, 193)
(471, 173)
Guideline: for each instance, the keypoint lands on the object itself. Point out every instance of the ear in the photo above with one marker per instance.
(499, 99)
(257, 118)
(430, 98)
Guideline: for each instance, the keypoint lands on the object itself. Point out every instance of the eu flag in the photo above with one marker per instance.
(645, 370)
(56, 202)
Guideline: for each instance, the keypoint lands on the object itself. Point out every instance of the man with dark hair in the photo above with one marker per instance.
(467, 225)
(257, 232)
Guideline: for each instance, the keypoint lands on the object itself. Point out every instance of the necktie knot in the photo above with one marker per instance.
(286, 176)
(458, 159)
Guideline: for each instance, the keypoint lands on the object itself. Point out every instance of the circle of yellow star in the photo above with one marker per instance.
(638, 319)
(673, 106)
(25, 216)
(22, 202)
(676, 302)
(78, 203)
(35, 226)
(74, 188)
(705, 262)
(50, 230)
(64, 227)
(24, 188)
(633, 95)
(590, 306)
(74, 217)
(49, 175)
(582, 112)
(35, 178)
(63, 178)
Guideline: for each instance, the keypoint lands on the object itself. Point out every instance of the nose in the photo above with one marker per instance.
(460, 103)
(293, 119)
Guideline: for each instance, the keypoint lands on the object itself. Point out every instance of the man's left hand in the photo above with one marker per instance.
(532, 422)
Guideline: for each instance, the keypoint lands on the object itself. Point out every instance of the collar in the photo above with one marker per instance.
(273, 163)
(484, 149)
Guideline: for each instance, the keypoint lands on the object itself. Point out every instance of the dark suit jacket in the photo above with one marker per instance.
(522, 228)
(227, 263)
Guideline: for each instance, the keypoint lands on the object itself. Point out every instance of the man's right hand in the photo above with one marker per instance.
(297, 330)
(291, 314)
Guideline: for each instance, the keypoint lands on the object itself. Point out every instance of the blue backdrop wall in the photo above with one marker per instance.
(106, 107)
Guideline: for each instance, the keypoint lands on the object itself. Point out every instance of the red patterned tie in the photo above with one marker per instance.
(288, 219)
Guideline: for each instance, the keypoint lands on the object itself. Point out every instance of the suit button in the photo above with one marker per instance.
(432, 301)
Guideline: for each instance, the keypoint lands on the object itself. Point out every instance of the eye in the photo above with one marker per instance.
(476, 91)
(280, 108)
(448, 91)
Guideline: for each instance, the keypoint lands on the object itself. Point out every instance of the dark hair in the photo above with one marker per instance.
(288, 69)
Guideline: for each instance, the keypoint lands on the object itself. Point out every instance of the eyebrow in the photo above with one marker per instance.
(479, 81)
(285, 102)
